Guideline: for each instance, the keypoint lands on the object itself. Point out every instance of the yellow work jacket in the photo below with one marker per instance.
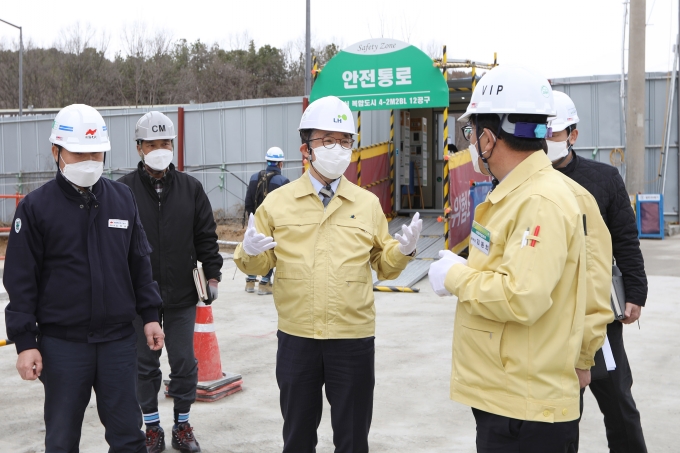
(522, 304)
(598, 274)
(323, 258)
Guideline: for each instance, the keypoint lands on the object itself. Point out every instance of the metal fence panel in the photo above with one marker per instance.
(601, 127)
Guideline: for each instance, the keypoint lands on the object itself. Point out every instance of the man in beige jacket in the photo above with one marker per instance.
(328, 233)
(521, 314)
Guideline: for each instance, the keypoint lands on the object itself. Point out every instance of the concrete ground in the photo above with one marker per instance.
(413, 360)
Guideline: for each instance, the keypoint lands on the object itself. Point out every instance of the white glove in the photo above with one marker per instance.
(255, 243)
(411, 233)
(439, 269)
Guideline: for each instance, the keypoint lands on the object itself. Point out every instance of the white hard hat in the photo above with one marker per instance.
(328, 114)
(511, 89)
(565, 110)
(275, 154)
(80, 129)
(154, 126)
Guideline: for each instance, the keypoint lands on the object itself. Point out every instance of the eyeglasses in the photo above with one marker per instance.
(467, 131)
(329, 142)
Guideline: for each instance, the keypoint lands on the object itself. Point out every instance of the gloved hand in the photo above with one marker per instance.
(439, 269)
(410, 234)
(212, 291)
(255, 243)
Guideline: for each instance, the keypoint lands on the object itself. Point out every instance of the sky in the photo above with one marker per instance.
(559, 38)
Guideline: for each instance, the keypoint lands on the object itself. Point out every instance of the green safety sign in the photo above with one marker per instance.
(379, 74)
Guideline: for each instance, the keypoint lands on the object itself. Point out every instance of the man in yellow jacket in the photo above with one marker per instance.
(328, 233)
(520, 320)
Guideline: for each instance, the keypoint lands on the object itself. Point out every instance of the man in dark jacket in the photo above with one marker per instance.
(77, 274)
(178, 218)
(612, 389)
(254, 198)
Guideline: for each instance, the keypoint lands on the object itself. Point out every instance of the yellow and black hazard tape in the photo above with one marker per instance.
(396, 289)
(380, 181)
(6, 342)
(359, 149)
(467, 90)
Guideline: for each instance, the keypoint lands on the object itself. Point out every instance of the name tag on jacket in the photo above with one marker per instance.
(115, 223)
(480, 238)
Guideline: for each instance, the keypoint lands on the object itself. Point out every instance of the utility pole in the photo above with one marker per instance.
(308, 55)
(635, 112)
(21, 66)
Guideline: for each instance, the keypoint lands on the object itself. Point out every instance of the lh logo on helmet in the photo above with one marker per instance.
(340, 119)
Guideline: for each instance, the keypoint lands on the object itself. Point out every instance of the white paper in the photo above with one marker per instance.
(608, 356)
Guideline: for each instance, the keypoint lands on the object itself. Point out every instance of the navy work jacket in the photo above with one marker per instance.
(77, 270)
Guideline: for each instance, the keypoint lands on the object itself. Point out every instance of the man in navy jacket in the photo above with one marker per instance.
(77, 273)
(275, 159)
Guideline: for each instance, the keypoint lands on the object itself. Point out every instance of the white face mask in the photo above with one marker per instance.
(331, 163)
(475, 158)
(557, 150)
(158, 159)
(83, 174)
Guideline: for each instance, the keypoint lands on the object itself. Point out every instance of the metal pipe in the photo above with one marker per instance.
(584, 148)
(669, 117)
(21, 72)
(622, 91)
(446, 186)
(308, 53)
(180, 138)
(594, 81)
(21, 66)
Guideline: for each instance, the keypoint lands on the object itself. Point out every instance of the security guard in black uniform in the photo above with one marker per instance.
(77, 273)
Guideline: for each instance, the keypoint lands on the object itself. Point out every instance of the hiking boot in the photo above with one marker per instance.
(250, 286)
(264, 288)
(155, 439)
(183, 439)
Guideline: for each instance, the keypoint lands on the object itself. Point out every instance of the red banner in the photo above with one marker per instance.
(375, 172)
(461, 173)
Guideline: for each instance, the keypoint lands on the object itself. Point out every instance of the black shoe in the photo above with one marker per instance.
(155, 439)
(183, 439)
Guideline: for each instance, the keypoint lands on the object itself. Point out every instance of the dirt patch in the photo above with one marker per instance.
(3, 245)
(230, 231)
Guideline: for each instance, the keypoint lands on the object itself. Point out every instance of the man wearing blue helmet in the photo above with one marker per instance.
(261, 184)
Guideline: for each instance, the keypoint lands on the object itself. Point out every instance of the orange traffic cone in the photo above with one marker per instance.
(206, 349)
(213, 384)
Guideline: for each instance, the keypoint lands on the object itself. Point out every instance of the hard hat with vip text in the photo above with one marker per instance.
(511, 89)
(154, 126)
(80, 128)
(328, 114)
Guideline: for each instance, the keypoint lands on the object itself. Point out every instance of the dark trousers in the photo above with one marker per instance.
(178, 325)
(614, 396)
(498, 434)
(347, 368)
(70, 371)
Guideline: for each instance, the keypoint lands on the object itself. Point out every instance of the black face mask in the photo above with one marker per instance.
(494, 180)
